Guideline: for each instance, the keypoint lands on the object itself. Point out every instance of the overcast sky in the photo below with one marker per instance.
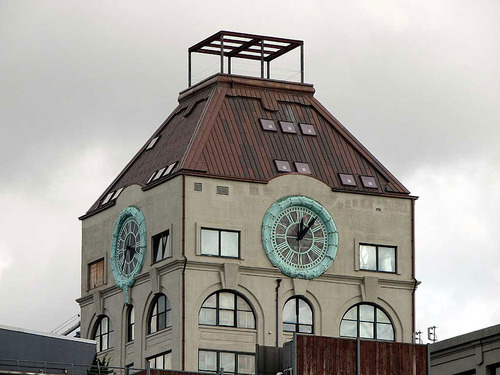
(83, 84)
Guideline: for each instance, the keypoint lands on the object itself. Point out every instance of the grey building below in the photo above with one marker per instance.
(476, 352)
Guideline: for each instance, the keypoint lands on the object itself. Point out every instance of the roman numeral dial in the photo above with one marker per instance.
(299, 237)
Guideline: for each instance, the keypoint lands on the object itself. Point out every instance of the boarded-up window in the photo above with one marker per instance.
(96, 273)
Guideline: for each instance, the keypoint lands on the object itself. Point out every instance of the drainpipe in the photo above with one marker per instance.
(278, 282)
(413, 266)
(183, 245)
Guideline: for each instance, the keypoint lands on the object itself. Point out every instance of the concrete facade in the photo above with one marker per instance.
(175, 205)
(476, 352)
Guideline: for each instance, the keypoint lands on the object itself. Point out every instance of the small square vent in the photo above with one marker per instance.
(222, 190)
(288, 127)
(307, 129)
(347, 179)
(198, 186)
(283, 166)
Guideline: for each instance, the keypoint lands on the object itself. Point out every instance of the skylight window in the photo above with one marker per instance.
(152, 143)
(268, 125)
(369, 182)
(302, 168)
(307, 129)
(347, 179)
(107, 199)
(288, 127)
(283, 166)
(118, 192)
(159, 173)
(151, 178)
(169, 169)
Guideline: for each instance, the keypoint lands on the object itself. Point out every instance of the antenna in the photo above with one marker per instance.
(417, 337)
(431, 334)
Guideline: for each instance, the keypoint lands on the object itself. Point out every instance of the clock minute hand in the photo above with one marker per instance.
(304, 231)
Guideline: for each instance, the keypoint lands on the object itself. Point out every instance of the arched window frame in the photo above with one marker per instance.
(300, 324)
(160, 314)
(377, 322)
(103, 333)
(130, 323)
(238, 313)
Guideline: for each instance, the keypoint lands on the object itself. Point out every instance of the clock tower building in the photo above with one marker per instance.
(251, 214)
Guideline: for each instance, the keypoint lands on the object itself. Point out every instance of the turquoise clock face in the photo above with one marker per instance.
(128, 248)
(299, 237)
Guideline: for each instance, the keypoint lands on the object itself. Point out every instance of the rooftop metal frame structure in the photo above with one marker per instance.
(232, 44)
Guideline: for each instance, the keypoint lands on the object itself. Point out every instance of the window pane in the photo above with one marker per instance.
(226, 317)
(381, 317)
(152, 362)
(227, 362)
(366, 330)
(166, 252)
(209, 242)
(226, 301)
(366, 313)
(288, 327)
(387, 259)
(385, 332)
(348, 328)
(305, 313)
(208, 316)
(243, 305)
(229, 244)
(159, 362)
(169, 318)
(152, 326)
(245, 319)
(352, 314)
(289, 312)
(104, 342)
(305, 328)
(211, 301)
(207, 361)
(168, 361)
(158, 250)
(367, 257)
(246, 364)
(162, 320)
(161, 304)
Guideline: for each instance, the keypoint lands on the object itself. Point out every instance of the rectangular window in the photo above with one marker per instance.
(222, 243)
(161, 246)
(232, 362)
(377, 258)
(96, 273)
(161, 361)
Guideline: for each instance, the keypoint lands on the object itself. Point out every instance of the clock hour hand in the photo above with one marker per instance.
(305, 230)
(301, 228)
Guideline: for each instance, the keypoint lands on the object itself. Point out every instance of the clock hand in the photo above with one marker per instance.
(301, 227)
(306, 229)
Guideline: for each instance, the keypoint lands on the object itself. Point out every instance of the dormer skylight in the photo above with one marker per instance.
(159, 173)
(118, 192)
(307, 129)
(302, 168)
(162, 172)
(152, 143)
(107, 199)
(347, 179)
(268, 125)
(283, 166)
(288, 127)
(369, 182)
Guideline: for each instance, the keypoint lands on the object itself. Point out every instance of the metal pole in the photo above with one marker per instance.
(358, 356)
(189, 69)
(302, 62)
(229, 65)
(262, 58)
(268, 69)
(222, 54)
(428, 359)
(278, 282)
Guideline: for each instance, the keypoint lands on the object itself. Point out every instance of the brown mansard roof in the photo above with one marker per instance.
(215, 131)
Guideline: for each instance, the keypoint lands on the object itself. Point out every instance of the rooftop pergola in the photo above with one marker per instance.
(247, 46)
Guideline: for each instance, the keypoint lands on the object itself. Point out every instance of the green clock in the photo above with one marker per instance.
(299, 237)
(128, 248)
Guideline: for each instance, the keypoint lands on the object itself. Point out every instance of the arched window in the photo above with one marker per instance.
(298, 316)
(103, 334)
(367, 321)
(226, 309)
(160, 316)
(130, 323)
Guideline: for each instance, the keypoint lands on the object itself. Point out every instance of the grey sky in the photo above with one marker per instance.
(83, 84)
